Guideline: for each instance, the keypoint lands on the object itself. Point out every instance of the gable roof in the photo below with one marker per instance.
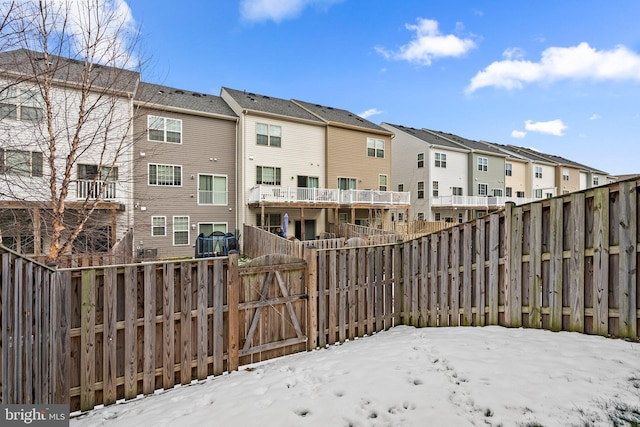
(182, 99)
(270, 105)
(427, 137)
(469, 143)
(557, 159)
(333, 115)
(30, 64)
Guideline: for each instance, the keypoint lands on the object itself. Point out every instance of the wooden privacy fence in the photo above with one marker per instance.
(258, 242)
(94, 335)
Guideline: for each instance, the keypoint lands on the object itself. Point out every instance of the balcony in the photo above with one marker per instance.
(328, 196)
(476, 201)
(89, 189)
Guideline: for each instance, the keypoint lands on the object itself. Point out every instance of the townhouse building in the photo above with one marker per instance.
(185, 161)
(34, 149)
(433, 170)
(298, 162)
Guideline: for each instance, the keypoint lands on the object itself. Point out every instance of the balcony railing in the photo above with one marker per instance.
(267, 193)
(88, 189)
(476, 201)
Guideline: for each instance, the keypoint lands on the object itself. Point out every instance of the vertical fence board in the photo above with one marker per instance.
(379, 301)
(455, 276)
(576, 284)
(233, 299)
(28, 333)
(397, 285)
(201, 319)
(494, 259)
(18, 323)
(480, 282)
(406, 283)
(433, 282)
(322, 298)
(627, 274)
(555, 265)
(535, 266)
(88, 340)
(130, 333)
(149, 331)
(388, 286)
(168, 309)
(601, 261)
(353, 295)
(110, 336)
(516, 267)
(506, 252)
(342, 299)
(370, 301)
(333, 256)
(185, 323)
(467, 285)
(424, 282)
(218, 317)
(444, 278)
(7, 329)
(61, 339)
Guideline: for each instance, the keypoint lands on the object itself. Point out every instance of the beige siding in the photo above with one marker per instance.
(208, 147)
(518, 179)
(347, 157)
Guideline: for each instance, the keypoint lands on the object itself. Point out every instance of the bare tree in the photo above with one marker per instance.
(67, 79)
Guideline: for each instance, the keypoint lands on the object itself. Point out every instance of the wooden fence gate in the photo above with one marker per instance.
(273, 304)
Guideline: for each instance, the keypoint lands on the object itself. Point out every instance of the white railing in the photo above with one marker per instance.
(477, 201)
(88, 189)
(268, 193)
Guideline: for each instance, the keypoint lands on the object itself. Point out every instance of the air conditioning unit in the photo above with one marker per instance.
(147, 254)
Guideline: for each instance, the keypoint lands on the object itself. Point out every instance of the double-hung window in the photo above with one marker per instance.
(420, 160)
(441, 160)
(375, 147)
(180, 230)
(482, 189)
(346, 183)
(268, 134)
(212, 189)
(382, 182)
(21, 163)
(595, 181)
(508, 169)
(565, 175)
(483, 164)
(420, 189)
(158, 226)
(267, 175)
(435, 185)
(457, 191)
(166, 175)
(164, 129)
(21, 104)
(400, 187)
(538, 172)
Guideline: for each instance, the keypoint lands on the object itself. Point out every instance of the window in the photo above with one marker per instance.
(93, 239)
(565, 175)
(457, 191)
(420, 216)
(497, 192)
(21, 104)
(268, 134)
(267, 175)
(163, 129)
(538, 172)
(437, 216)
(507, 169)
(548, 195)
(180, 230)
(520, 194)
(441, 160)
(375, 148)
(460, 217)
(382, 182)
(483, 164)
(21, 163)
(595, 181)
(482, 189)
(207, 228)
(400, 187)
(158, 226)
(308, 181)
(420, 160)
(169, 175)
(90, 172)
(434, 187)
(96, 181)
(420, 189)
(538, 193)
(346, 183)
(400, 216)
(212, 190)
(508, 192)
(271, 221)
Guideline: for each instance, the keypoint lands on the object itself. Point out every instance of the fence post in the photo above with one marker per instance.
(60, 357)
(233, 298)
(310, 257)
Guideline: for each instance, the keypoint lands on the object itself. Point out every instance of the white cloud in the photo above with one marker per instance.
(428, 44)
(513, 53)
(370, 112)
(553, 127)
(518, 134)
(278, 10)
(595, 117)
(557, 63)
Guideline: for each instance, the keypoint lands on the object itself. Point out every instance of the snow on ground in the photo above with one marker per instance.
(458, 376)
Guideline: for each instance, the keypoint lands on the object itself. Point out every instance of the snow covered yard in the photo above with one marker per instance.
(458, 376)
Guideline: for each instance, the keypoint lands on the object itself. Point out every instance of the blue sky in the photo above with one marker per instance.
(562, 77)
